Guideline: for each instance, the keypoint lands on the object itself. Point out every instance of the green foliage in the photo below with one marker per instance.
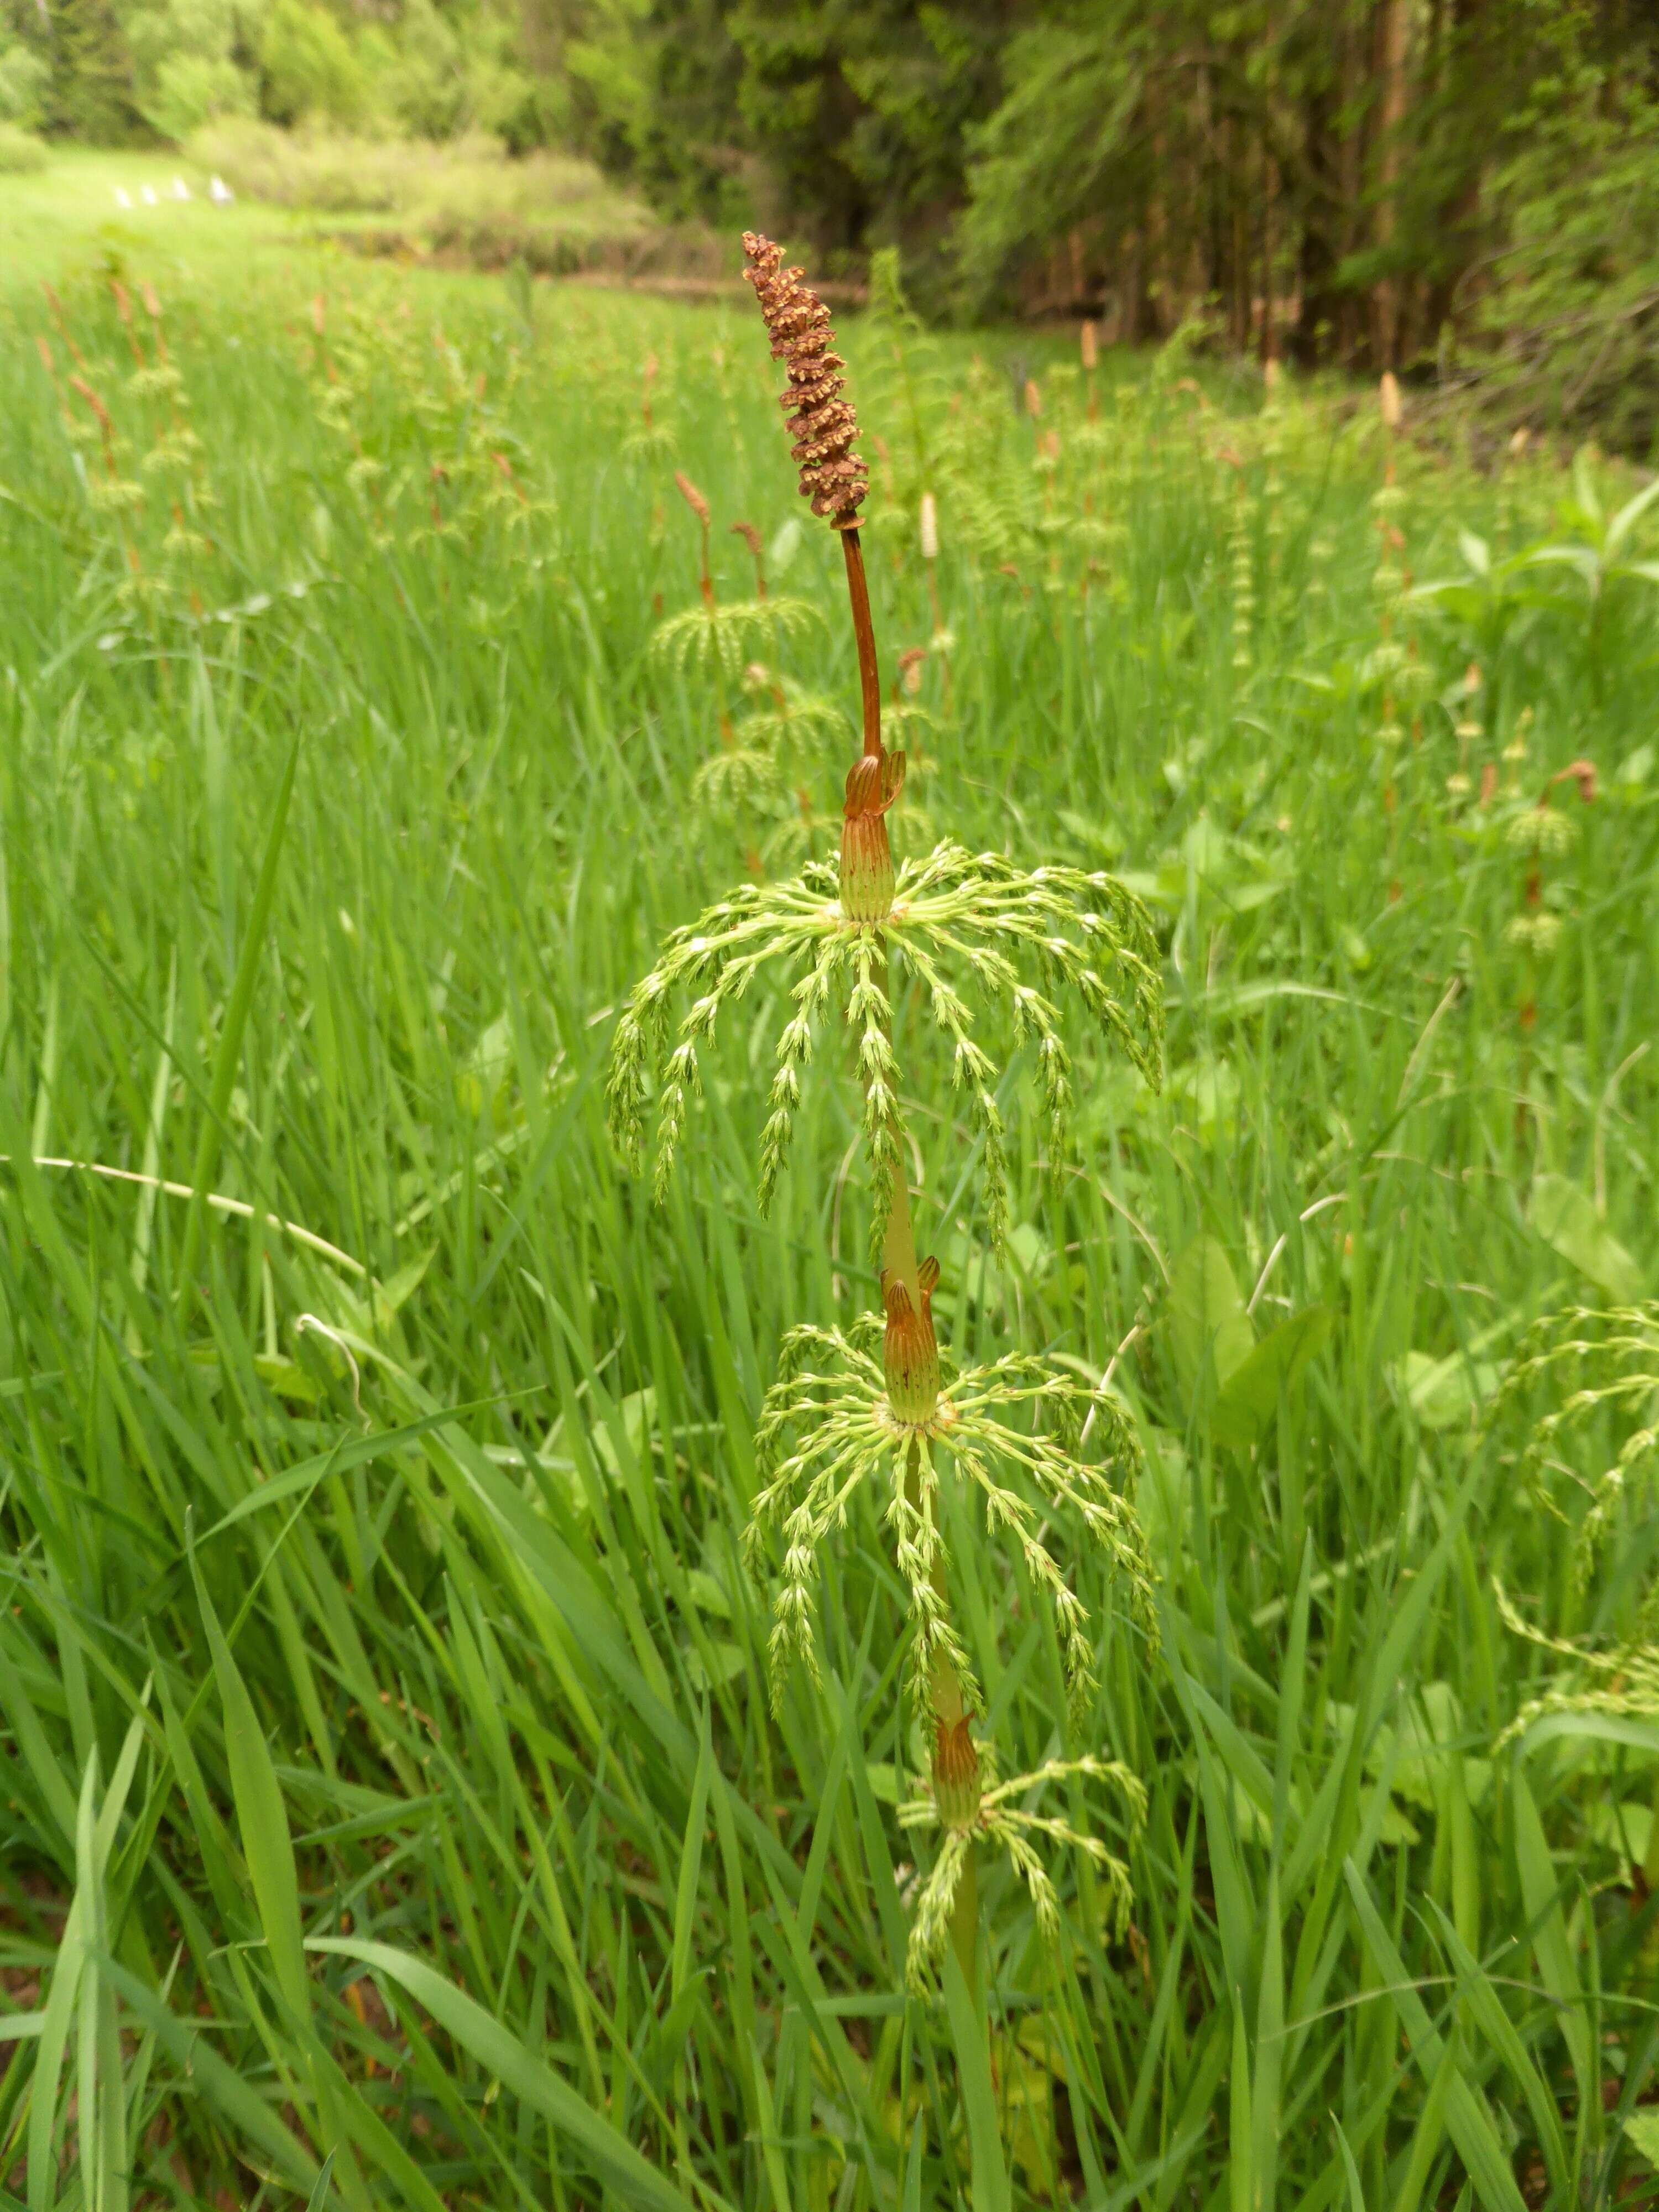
(1570, 327)
(92, 91)
(24, 78)
(1091, 154)
(1475, 211)
(1063, 137)
(185, 65)
(863, 109)
(190, 90)
(653, 90)
(853, 117)
(425, 77)
(309, 66)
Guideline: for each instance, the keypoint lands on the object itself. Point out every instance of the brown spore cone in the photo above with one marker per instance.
(822, 423)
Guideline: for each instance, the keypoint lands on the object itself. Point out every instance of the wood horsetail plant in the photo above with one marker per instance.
(1604, 1363)
(1013, 1433)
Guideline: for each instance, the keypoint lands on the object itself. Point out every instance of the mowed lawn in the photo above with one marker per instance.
(389, 1773)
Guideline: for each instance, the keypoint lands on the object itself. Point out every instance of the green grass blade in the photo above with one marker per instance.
(227, 1058)
(261, 1817)
(500, 2053)
(967, 2040)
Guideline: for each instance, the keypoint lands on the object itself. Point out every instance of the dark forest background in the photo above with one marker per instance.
(1438, 186)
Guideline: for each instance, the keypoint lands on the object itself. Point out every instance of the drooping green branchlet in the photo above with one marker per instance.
(1619, 1684)
(995, 1816)
(955, 918)
(826, 1427)
(1009, 1431)
(737, 777)
(811, 997)
(722, 951)
(716, 639)
(1612, 1354)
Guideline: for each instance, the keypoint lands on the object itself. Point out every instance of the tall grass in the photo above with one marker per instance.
(392, 1809)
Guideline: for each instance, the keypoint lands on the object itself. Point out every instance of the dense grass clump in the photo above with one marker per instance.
(390, 1778)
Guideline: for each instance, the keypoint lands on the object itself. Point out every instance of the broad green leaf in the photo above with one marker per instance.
(1248, 1398)
(1566, 1219)
(1207, 1092)
(1476, 552)
(1579, 558)
(286, 1378)
(1642, 2129)
(1209, 1328)
(1593, 1728)
(388, 1299)
(724, 1663)
(1161, 1500)
(1443, 1393)
(1627, 517)
(483, 1076)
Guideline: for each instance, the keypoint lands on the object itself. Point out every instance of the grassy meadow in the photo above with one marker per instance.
(393, 1813)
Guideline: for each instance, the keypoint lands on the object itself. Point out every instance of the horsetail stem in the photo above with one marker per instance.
(836, 1418)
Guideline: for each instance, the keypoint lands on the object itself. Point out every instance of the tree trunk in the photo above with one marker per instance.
(1459, 214)
(1392, 30)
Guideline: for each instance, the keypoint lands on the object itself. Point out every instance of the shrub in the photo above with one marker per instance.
(191, 89)
(24, 77)
(324, 171)
(466, 198)
(21, 152)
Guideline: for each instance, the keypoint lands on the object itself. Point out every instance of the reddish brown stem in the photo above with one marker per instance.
(705, 576)
(864, 633)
